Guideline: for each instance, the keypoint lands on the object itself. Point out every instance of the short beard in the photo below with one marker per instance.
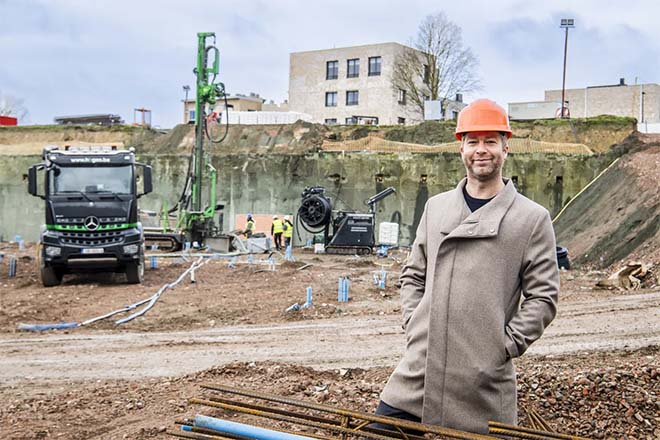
(493, 175)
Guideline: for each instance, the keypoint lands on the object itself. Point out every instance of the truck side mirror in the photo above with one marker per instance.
(147, 186)
(33, 184)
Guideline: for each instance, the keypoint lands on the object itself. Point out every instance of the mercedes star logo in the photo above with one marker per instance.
(91, 223)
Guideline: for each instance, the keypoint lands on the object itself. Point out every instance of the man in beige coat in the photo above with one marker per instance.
(479, 250)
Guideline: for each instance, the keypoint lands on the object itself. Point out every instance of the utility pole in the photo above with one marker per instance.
(186, 89)
(566, 23)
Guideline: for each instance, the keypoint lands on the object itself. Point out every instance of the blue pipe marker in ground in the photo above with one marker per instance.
(241, 429)
(308, 302)
(288, 255)
(12, 266)
(381, 281)
(153, 262)
(342, 292)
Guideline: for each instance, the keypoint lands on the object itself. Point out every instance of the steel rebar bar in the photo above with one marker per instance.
(414, 426)
(522, 432)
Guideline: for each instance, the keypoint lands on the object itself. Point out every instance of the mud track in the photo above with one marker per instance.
(608, 322)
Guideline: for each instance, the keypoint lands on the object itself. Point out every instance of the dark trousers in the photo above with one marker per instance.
(287, 242)
(385, 410)
(278, 240)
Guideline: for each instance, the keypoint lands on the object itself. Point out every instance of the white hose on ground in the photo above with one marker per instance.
(198, 263)
(151, 300)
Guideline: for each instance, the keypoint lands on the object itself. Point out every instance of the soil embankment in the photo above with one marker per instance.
(617, 218)
(599, 134)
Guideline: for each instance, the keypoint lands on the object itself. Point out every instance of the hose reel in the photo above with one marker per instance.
(315, 207)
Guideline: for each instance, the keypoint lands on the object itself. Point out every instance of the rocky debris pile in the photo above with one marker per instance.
(618, 398)
(601, 395)
(634, 275)
(591, 395)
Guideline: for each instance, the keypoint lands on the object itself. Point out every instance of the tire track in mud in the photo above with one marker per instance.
(608, 323)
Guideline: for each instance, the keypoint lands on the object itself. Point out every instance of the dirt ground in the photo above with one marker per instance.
(595, 372)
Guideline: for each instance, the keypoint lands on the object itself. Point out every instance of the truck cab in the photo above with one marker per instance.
(91, 212)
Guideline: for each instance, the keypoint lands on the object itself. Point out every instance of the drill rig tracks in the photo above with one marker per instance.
(331, 423)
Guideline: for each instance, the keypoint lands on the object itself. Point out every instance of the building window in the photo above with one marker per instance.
(332, 70)
(332, 121)
(374, 66)
(454, 115)
(351, 121)
(402, 97)
(427, 74)
(353, 68)
(331, 99)
(191, 115)
(352, 97)
(401, 121)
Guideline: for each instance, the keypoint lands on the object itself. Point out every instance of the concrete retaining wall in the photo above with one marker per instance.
(273, 183)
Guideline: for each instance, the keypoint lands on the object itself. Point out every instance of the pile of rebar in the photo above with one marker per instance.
(309, 420)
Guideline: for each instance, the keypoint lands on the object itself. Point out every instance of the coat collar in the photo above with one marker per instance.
(484, 222)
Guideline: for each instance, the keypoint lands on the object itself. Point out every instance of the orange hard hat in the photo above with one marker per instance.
(482, 115)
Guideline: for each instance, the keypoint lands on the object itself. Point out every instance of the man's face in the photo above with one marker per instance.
(483, 153)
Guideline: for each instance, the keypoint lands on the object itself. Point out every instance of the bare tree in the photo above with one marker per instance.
(11, 106)
(439, 68)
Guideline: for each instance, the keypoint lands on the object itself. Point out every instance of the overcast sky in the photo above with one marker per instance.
(68, 57)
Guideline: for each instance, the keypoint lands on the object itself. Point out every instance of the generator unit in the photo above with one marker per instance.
(352, 232)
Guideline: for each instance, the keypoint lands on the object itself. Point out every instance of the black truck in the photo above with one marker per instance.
(92, 224)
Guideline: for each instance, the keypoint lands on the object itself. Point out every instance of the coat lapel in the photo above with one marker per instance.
(484, 222)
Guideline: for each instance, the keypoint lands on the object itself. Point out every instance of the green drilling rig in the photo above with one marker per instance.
(195, 219)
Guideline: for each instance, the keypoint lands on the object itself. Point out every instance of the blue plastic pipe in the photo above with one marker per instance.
(241, 429)
(308, 302)
(44, 327)
(12, 267)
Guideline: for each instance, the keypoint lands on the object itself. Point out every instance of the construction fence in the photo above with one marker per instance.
(516, 146)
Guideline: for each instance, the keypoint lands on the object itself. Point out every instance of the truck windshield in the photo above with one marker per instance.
(92, 180)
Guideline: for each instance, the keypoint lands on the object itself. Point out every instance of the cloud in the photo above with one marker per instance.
(75, 56)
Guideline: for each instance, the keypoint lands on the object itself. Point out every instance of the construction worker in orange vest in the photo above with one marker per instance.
(276, 230)
(288, 231)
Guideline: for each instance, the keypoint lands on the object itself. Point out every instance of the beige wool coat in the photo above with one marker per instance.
(461, 292)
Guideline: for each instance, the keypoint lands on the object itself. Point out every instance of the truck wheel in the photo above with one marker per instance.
(50, 276)
(135, 272)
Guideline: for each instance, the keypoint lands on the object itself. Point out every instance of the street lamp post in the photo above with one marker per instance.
(566, 23)
(186, 89)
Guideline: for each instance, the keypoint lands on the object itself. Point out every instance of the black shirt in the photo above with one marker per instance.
(474, 203)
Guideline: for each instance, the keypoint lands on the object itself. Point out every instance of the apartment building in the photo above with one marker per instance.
(350, 85)
(640, 101)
